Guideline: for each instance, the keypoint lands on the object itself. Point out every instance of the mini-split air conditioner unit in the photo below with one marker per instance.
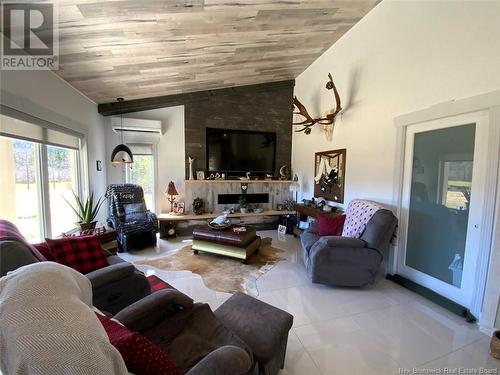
(136, 127)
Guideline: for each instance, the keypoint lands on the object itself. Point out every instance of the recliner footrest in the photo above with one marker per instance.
(264, 328)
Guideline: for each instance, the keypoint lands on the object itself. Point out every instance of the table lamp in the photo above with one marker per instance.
(171, 193)
(295, 186)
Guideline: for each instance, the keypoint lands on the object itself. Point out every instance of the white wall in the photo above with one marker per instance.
(171, 161)
(44, 95)
(403, 56)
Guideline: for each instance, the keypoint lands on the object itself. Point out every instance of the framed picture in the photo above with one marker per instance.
(179, 209)
(200, 175)
(282, 229)
(329, 171)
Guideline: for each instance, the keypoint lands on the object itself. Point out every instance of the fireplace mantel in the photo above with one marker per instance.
(238, 182)
(209, 190)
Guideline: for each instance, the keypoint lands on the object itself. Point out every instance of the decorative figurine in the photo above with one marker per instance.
(191, 160)
(198, 206)
(284, 172)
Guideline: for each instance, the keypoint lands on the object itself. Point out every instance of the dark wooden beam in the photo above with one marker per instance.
(137, 105)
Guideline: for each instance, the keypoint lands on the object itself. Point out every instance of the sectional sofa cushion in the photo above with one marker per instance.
(141, 356)
(44, 249)
(83, 253)
(9, 232)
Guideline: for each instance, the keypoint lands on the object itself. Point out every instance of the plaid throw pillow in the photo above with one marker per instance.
(83, 254)
(141, 356)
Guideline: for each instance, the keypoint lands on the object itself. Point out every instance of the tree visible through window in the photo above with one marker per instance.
(141, 172)
(62, 170)
(21, 192)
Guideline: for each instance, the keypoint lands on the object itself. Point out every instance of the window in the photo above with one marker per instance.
(37, 177)
(455, 179)
(142, 172)
(20, 187)
(63, 181)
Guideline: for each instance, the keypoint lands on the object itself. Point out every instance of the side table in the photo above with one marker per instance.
(304, 211)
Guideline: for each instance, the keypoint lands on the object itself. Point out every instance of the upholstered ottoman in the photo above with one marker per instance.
(226, 242)
(262, 327)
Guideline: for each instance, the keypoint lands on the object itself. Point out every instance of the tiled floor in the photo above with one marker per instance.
(384, 329)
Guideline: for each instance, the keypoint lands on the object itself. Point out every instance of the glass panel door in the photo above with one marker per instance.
(63, 181)
(442, 204)
(439, 202)
(20, 187)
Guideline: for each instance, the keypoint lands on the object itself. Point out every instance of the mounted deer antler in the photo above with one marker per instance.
(308, 121)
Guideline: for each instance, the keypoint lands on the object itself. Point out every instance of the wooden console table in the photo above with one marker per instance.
(303, 210)
(167, 218)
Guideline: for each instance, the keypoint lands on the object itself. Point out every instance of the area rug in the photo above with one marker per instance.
(220, 273)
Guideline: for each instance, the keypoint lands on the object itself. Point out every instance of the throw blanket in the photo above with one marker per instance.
(359, 212)
(48, 325)
(127, 210)
(9, 232)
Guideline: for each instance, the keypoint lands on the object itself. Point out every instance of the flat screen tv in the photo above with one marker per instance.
(236, 152)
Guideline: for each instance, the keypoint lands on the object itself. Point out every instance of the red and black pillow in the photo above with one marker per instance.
(83, 253)
(330, 225)
(141, 356)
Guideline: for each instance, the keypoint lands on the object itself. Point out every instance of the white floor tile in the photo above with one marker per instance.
(416, 334)
(297, 360)
(374, 330)
(476, 356)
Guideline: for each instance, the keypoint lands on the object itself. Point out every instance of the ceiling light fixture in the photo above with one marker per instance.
(121, 154)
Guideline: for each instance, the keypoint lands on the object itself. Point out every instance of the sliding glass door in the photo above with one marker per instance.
(62, 168)
(443, 198)
(37, 178)
(20, 187)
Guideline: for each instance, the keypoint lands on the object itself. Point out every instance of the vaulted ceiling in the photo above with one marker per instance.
(139, 49)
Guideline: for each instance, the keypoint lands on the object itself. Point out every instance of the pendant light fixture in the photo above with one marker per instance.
(121, 154)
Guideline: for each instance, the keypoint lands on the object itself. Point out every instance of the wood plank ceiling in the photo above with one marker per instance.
(141, 49)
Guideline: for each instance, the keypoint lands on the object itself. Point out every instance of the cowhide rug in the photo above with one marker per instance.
(220, 273)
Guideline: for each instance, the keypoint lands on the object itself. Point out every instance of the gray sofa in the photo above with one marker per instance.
(188, 333)
(346, 261)
(114, 287)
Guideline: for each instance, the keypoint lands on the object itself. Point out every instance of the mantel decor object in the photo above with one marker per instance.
(191, 161)
(198, 206)
(171, 193)
(328, 121)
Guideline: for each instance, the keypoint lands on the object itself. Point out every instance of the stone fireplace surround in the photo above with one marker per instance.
(210, 191)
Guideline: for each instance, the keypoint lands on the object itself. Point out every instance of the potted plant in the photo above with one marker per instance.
(242, 201)
(86, 211)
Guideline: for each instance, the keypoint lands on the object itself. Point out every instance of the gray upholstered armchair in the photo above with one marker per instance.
(346, 261)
